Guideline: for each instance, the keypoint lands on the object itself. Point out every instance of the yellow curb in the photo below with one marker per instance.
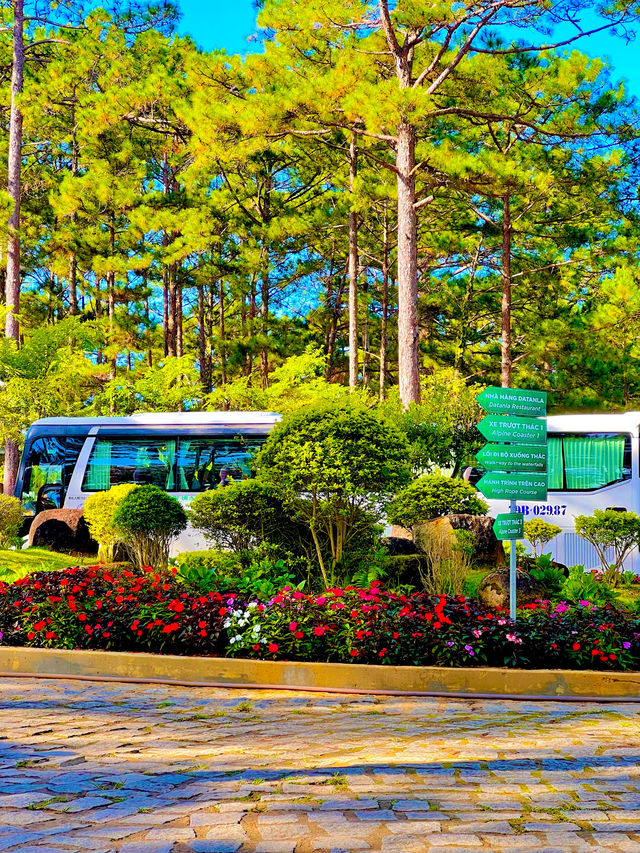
(325, 677)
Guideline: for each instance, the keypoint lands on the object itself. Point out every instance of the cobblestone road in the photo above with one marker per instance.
(135, 769)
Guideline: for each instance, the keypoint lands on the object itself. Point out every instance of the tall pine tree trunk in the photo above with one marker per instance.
(12, 286)
(353, 268)
(385, 305)
(505, 343)
(408, 327)
(223, 341)
(73, 263)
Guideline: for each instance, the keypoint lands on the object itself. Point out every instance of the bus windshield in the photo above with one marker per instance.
(48, 460)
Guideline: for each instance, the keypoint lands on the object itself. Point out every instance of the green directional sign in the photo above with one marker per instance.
(509, 525)
(514, 401)
(515, 487)
(513, 457)
(515, 430)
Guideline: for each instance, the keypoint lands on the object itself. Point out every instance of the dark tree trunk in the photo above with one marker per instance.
(408, 325)
(12, 286)
(223, 341)
(353, 267)
(384, 305)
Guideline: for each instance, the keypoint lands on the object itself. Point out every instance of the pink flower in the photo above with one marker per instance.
(319, 630)
(293, 626)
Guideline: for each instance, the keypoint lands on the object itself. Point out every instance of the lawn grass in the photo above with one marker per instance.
(17, 564)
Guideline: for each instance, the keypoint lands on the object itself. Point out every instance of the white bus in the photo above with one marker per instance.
(593, 463)
(67, 459)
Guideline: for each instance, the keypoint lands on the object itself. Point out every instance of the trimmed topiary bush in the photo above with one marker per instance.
(148, 520)
(239, 515)
(432, 497)
(10, 520)
(538, 532)
(98, 511)
(335, 468)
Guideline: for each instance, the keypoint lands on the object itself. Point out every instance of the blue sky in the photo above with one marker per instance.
(227, 23)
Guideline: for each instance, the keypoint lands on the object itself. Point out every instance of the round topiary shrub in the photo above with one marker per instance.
(238, 516)
(10, 520)
(148, 520)
(432, 497)
(98, 511)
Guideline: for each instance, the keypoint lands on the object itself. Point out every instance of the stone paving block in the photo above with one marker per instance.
(146, 847)
(171, 833)
(345, 843)
(202, 845)
(216, 818)
(275, 847)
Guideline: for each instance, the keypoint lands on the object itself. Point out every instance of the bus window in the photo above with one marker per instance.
(114, 461)
(582, 462)
(49, 460)
(205, 463)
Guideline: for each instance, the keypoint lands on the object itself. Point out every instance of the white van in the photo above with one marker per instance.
(593, 463)
(67, 459)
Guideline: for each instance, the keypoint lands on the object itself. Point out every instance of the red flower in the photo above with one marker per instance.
(354, 653)
(82, 617)
(30, 635)
(176, 606)
(202, 624)
(319, 630)
(256, 647)
(39, 625)
(613, 656)
(273, 648)
(202, 633)
(298, 635)
(575, 647)
(223, 611)
(50, 635)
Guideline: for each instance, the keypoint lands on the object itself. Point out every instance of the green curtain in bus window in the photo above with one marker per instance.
(592, 462)
(554, 463)
(97, 477)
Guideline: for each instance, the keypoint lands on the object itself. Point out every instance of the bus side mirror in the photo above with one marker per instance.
(49, 497)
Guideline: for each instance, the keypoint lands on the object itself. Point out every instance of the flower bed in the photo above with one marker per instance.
(93, 608)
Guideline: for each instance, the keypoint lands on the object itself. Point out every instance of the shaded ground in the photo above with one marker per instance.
(136, 769)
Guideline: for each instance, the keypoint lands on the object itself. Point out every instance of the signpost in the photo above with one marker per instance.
(513, 401)
(509, 526)
(506, 457)
(515, 430)
(514, 487)
(517, 462)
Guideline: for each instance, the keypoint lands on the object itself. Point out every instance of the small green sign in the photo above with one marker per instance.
(515, 430)
(513, 457)
(514, 401)
(509, 525)
(514, 487)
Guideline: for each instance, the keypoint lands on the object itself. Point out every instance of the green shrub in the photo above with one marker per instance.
(548, 575)
(98, 511)
(584, 586)
(239, 515)
(10, 520)
(431, 497)
(203, 571)
(538, 532)
(148, 520)
(333, 467)
(610, 528)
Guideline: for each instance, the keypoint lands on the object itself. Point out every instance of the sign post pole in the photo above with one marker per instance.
(512, 571)
(515, 461)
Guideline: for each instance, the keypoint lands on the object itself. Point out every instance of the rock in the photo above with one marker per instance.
(406, 569)
(494, 589)
(487, 548)
(62, 530)
(398, 546)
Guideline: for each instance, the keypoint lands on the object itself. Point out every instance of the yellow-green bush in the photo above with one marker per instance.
(98, 512)
(10, 519)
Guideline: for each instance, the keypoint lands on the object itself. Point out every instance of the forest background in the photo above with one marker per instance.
(409, 199)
